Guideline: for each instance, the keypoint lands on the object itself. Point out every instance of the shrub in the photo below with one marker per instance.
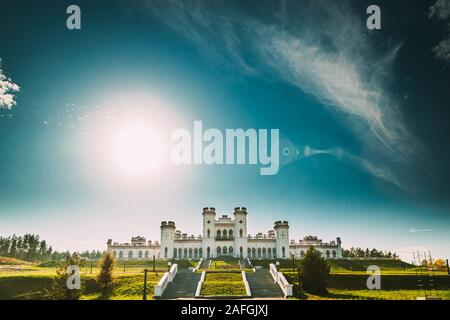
(314, 272)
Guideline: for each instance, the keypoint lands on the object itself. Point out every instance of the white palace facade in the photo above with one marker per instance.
(223, 236)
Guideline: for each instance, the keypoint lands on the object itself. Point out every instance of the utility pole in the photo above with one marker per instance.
(153, 263)
(448, 269)
(145, 284)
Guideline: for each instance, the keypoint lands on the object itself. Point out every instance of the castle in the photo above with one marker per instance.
(223, 236)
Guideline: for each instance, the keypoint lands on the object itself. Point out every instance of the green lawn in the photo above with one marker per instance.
(31, 281)
(223, 284)
(337, 294)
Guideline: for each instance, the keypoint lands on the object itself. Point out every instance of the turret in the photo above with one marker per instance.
(167, 239)
(282, 235)
(209, 232)
(240, 231)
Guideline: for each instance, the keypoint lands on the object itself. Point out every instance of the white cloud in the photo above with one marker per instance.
(441, 11)
(415, 230)
(324, 50)
(7, 91)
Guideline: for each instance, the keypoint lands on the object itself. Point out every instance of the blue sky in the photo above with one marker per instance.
(308, 68)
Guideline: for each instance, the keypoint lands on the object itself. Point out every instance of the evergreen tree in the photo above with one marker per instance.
(314, 272)
(59, 289)
(105, 277)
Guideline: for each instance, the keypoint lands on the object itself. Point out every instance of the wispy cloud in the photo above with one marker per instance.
(441, 11)
(416, 230)
(323, 49)
(8, 89)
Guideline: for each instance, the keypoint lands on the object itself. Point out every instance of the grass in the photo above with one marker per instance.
(12, 261)
(223, 284)
(31, 282)
(337, 294)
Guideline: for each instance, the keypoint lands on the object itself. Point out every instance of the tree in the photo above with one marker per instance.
(107, 264)
(440, 264)
(314, 272)
(59, 289)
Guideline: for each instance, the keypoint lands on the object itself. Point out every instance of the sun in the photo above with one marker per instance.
(137, 149)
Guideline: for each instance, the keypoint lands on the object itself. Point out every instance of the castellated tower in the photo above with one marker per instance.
(240, 231)
(209, 232)
(282, 235)
(167, 239)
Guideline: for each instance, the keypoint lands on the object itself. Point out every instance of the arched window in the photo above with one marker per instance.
(175, 253)
(185, 253)
(140, 254)
(209, 233)
(334, 254)
(253, 253)
(219, 251)
(190, 253)
(165, 252)
(130, 254)
(180, 253)
(302, 254)
(146, 254)
(230, 233)
(224, 250)
(240, 233)
(249, 253)
(327, 253)
(269, 251)
(264, 253)
(259, 253)
(208, 252)
(200, 252)
(195, 253)
(224, 234)
(219, 233)
(120, 255)
(230, 250)
(283, 252)
(274, 253)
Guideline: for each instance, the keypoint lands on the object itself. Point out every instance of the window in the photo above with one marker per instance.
(208, 252)
(224, 234)
(327, 253)
(224, 250)
(219, 233)
(240, 233)
(190, 252)
(180, 253)
(165, 252)
(230, 233)
(274, 252)
(146, 254)
(185, 253)
(140, 254)
(130, 254)
(302, 253)
(241, 252)
(200, 252)
(334, 254)
(259, 253)
(219, 251)
(195, 253)
(269, 251)
(264, 252)
(230, 250)
(120, 255)
(175, 251)
(283, 252)
(209, 233)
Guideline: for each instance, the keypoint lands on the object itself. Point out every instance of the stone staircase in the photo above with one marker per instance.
(183, 286)
(262, 285)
